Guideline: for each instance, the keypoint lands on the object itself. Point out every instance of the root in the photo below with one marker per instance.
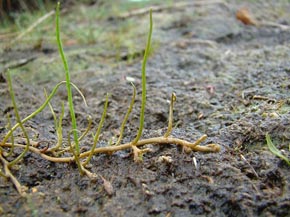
(138, 154)
(20, 188)
(111, 149)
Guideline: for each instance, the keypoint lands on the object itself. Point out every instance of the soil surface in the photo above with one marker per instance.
(232, 83)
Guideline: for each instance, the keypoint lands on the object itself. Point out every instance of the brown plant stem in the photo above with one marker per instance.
(111, 149)
(21, 189)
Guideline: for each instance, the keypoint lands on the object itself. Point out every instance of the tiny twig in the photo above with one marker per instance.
(252, 168)
(185, 43)
(276, 25)
(142, 11)
(30, 28)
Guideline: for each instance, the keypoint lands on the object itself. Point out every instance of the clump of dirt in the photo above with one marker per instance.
(232, 83)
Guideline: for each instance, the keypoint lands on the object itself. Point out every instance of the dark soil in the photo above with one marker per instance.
(234, 88)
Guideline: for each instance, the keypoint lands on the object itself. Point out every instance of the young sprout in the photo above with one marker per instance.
(76, 156)
(57, 125)
(276, 151)
(12, 137)
(137, 152)
(90, 120)
(16, 160)
(143, 103)
(68, 83)
(127, 115)
(97, 135)
(34, 113)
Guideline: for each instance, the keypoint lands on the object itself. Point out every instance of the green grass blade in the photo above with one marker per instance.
(34, 113)
(90, 120)
(68, 83)
(12, 137)
(51, 109)
(143, 104)
(76, 156)
(57, 124)
(81, 94)
(274, 150)
(2, 174)
(127, 115)
(18, 121)
(97, 135)
(39, 110)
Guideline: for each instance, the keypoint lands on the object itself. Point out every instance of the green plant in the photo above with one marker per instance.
(16, 160)
(68, 86)
(55, 153)
(274, 150)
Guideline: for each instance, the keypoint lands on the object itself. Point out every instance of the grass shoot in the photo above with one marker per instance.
(276, 151)
(68, 85)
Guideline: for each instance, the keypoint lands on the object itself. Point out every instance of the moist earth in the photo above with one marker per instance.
(232, 84)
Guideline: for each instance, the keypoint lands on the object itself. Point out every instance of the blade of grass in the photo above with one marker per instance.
(57, 124)
(52, 110)
(274, 150)
(127, 115)
(76, 156)
(96, 137)
(12, 95)
(90, 120)
(40, 109)
(12, 137)
(34, 113)
(142, 112)
(68, 84)
(59, 128)
(2, 174)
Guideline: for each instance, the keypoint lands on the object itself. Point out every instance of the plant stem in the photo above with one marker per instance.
(127, 115)
(142, 113)
(18, 121)
(97, 135)
(12, 137)
(34, 113)
(68, 85)
(194, 146)
(39, 110)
